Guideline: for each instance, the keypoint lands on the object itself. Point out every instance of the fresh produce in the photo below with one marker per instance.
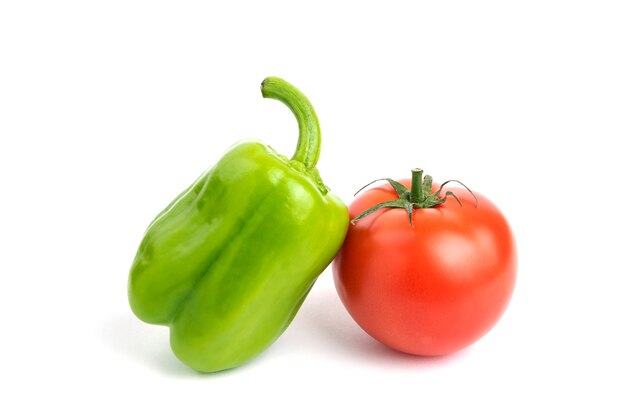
(229, 262)
(425, 269)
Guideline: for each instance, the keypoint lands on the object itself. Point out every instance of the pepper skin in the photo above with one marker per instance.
(229, 262)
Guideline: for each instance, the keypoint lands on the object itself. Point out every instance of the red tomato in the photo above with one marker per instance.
(433, 288)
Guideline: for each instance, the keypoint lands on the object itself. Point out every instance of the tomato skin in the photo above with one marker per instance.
(433, 288)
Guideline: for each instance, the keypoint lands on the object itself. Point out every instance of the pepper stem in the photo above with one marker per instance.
(310, 137)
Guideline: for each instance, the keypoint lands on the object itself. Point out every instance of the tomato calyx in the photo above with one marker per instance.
(419, 197)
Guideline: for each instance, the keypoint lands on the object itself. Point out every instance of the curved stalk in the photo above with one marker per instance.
(309, 138)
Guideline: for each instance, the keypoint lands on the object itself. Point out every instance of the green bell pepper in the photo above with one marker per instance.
(229, 262)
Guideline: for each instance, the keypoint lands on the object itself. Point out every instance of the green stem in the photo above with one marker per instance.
(417, 192)
(310, 138)
(421, 195)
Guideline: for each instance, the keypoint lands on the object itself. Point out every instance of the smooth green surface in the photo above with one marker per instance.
(229, 262)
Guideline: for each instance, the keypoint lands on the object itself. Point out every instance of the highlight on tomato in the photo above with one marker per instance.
(425, 269)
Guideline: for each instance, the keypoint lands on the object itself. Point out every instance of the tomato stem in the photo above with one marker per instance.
(417, 192)
(421, 195)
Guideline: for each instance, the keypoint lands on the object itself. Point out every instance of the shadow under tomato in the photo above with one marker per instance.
(324, 315)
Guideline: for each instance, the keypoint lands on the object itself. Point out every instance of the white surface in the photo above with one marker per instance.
(109, 109)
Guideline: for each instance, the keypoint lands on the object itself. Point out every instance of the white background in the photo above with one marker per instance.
(109, 109)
